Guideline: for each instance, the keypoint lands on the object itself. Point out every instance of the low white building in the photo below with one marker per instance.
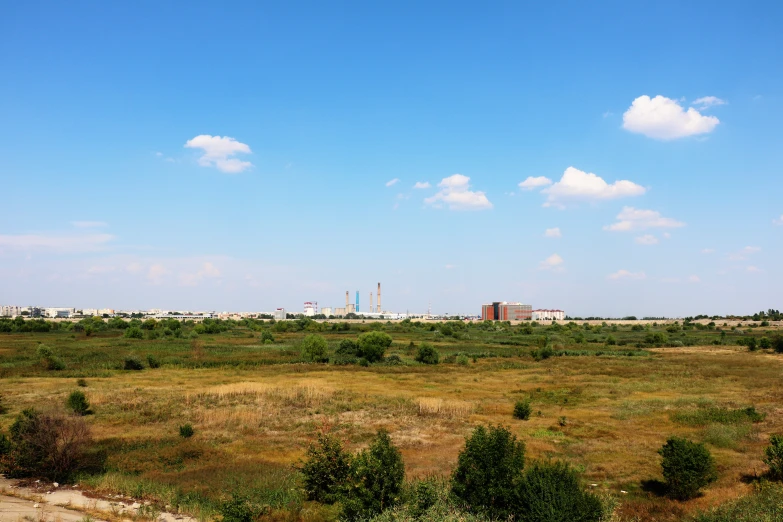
(10, 311)
(548, 315)
(280, 314)
(59, 312)
(90, 311)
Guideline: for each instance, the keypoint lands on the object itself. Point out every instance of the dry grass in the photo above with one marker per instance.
(446, 408)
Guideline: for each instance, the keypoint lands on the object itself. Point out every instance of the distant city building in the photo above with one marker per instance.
(339, 312)
(90, 311)
(280, 314)
(10, 311)
(548, 315)
(106, 311)
(310, 309)
(326, 310)
(59, 313)
(504, 311)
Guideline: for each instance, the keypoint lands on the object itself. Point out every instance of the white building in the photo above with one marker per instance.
(280, 314)
(548, 315)
(90, 311)
(10, 311)
(326, 310)
(106, 311)
(59, 312)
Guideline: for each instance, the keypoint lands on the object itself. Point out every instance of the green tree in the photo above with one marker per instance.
(427, 354)
(134, 332)
(489, 471)
(375, 480)
(687, 467)
(373, 345)
(773, 457)
(77, 402)
(551, 492)
(325, 469)
(314, 348)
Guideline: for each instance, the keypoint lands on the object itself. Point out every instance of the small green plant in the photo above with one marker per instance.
(134, 332)
(77, 402)
(152, 362)
(427, 354)
(186, 431)
(373, 345)
(49, 359)
(81, 383)
(489, 471)
(314, 348)
(267, 337)
(3, 407)
(687, 467)
(132, 363)
(325, 469)
(463, 360)
(562, 421)
(522, 410)
(773, 457)
(239, 509)
(425, 495)
(550, 491)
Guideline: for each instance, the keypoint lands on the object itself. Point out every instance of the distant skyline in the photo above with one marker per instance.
(605, 159)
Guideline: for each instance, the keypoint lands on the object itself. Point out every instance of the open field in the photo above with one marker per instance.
(605, 400)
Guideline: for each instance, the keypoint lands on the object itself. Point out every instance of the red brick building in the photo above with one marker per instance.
(504, 311)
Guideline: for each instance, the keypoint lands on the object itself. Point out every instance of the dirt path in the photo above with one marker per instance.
(49, 503)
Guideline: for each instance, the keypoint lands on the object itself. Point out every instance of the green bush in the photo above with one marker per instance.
(522, 410)
(81, 383)
(425, 495)
(3, 407)
(186, 431)
(489, 471)
(762, 505)
(551, 492)
(134, 332)
(777, 344)
(610, 340)
(687, 467)
(325, 469)
(375, 480)
(347, 348)
(773, 457)
(77, 402)
(314, 348)
(765, 343)
(751, 344)
(373, 345)
(427, 354)
(267, 337)
(132, 363)
(49, 359)
(239, 509)
(152, 362)
(462, 360)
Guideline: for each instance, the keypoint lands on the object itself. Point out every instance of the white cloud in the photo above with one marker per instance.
(694, 279)
(637, 219)
(708, 101)
(89, 224)
(779, 221)
(422, 185)
(707, 250)
(219, 152)
(625, 274)
(66, 243)
(156, 273)
(455, 192)
(392, 182)
(553, 262)
(534, 182)
(753, 269)
(744, 253)
(670, 280)
(207, 271)
(607, 114)
(647, 239)
(159, 154)
(450, 267)
(577, 185)
(666, 235)
(552, 232)
(664, 119)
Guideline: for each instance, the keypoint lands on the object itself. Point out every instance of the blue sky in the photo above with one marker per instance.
(242, 155)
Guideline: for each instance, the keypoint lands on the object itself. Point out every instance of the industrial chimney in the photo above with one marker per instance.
(370, 301)
(346, 301)
(379, 298)
(357, 301)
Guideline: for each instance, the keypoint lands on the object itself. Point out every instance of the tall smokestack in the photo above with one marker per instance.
(379, 298)
(357, 301)
(370, 301)
(346, 301)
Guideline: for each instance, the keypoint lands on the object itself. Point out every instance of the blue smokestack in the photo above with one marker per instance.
(357, 301)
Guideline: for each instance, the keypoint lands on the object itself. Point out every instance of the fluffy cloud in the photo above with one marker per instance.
(576, 185)
(707, 250)
(779, 221)
(534, 182)
(694, 279)
(54, 243)
(553, 262)
(207, 271)
(647, 239)
(708, 101)
(422, 185)
(753, 269)
(392, 182)
(625, 274)
(218, 152)
(455, 192)
(744, 253)
(156, 273)
(636, 219)
(552, 232)
(664, 119)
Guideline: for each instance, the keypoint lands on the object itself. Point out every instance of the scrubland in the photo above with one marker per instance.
(603, 399)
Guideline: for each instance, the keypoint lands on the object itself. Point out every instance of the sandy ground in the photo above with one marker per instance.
(46, 503)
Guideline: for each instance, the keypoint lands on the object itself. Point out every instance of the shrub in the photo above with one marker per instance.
(239, 509)
(687, 467)
(77, 402)
(777, 344)
(544, 353)
(186, 431)
(462, 360)
(610, 340)
(152, 362)
(425, 495)
(267, 337)
(751, 342)
(347, 347)
(427, 354)
(134, 332)
(765, 343)
(773, 457)
(325, 469)
(522, 410)
(489, 471)
(49, 359)
(375, 479)
(153, 334)
(373, 345)
(3, 407)
(550, 492)
(81, 383)
(314, 348)
(44, 445)
(132, 363)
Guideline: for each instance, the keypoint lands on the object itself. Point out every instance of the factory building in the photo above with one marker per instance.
(548, 315)
(280, 314)
(504, 311)
(326, 310)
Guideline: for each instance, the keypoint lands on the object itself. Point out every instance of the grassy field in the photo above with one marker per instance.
(605, 399)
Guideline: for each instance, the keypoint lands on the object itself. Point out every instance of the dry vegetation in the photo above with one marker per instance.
(255, 414)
